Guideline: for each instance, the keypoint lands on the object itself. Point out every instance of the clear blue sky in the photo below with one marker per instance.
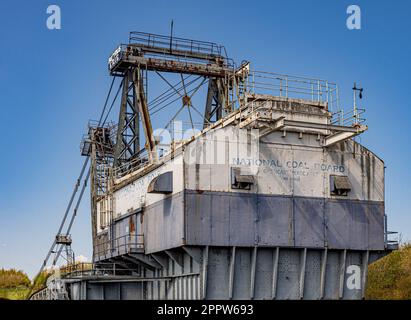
(52, 82)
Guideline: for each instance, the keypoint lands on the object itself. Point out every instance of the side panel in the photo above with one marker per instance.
(239, 219)
(355, 225)
(164, 224)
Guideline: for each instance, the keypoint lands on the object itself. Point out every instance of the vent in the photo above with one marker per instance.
(241, 178)
(340, 185)
(161, 184)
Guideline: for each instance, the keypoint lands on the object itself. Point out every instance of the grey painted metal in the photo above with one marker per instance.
(303, 259)
(162, 183)
(275, 273)
(323, 272)
(252, 276)
(231, 274)
(343, 257)
(280, 273)
(229, 219)
(365, 261)
(196, 235)
(128, 131)
(204, 273)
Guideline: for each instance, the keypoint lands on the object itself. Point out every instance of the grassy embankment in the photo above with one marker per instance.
(15, 284)
(390, 277)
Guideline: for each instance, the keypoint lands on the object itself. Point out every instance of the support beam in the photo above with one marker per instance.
(276, 255)
(339, 136)
(153, 64)
(121, 120)
(143, 259)
(253, 267)
(128, 140)
(323, 272)
(269, 127)
(204, 273)
(343, 257)
(231, 274)
(193, 252)
(365, 260)
(321, 126)
(120, 263)
(177, 257)
(161, 259)
(145, 116)
(303, 260)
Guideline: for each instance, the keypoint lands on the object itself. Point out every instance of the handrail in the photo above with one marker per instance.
(117, 246)
(176, 43)
(283, 85)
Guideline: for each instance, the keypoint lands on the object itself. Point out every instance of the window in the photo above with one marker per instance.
(339, 185)
(241, 178)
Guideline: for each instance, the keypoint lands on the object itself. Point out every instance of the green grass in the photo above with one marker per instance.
(18, 293)
(390, 277)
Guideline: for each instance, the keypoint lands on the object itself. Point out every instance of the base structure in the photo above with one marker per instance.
(222, 273)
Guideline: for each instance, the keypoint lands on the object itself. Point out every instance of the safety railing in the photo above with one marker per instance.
(175, 43)
(123, 51)
(95, 269)
(392, 239)
(348, 118)
(118, 246)
(139, 161)
(293, 87)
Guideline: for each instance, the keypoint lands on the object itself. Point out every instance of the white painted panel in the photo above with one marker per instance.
(134, 195)
(283, 169)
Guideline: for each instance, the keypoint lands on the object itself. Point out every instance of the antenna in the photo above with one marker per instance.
(360, 90)
(171, 34)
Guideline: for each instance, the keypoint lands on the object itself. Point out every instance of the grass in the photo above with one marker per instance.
(18, 293)
(390, 277)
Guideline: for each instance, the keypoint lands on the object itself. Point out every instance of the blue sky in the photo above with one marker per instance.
(53, 82)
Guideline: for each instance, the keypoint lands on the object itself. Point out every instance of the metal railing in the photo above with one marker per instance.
(175, 43)
(348, 118)
(293, 87)
(139, 161)
(118, 246)
(95, 269)
(392, 239)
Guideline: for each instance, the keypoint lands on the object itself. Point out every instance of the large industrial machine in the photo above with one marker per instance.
(253, 187)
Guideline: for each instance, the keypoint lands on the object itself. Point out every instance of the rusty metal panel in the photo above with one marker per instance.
(309, 222)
